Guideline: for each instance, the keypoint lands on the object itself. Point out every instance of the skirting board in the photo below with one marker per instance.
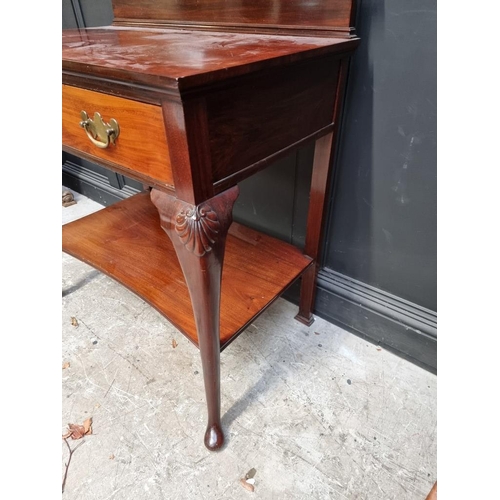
(93, 184)
(400, 326)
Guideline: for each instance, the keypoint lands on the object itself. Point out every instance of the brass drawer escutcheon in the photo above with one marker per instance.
(97, 129)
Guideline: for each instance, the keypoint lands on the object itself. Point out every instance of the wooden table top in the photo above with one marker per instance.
(182, 58)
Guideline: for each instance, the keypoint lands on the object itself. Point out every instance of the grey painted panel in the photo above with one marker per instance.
(86, 13)
(266, 200)
(68, 15)
(383, 227)
(97, 12)
(301, 199)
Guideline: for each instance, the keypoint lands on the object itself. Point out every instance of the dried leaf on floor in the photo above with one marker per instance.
(68, 199)
(247, 485)
(87, 425)
(248, 481)
(251, 473)
(66, 365)
(74, 322)
(76, 431)
(174, 343)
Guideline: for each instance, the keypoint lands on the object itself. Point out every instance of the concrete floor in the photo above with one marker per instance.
(318, 412)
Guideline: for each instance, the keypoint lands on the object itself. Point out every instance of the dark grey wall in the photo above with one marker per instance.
(86, 13)
(378, 274)
(383, 225)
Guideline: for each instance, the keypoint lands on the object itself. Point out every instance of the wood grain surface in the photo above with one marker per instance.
(326, 14)
(142, 143)
(126, 242)
(267, 113)
(433, 493)
(180, 59)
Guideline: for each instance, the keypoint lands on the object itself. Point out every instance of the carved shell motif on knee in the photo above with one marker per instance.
(197, 228)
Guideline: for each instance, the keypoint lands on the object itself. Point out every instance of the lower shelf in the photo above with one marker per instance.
(125, 241)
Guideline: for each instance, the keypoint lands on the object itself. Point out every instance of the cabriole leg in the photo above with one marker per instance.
(198, 234)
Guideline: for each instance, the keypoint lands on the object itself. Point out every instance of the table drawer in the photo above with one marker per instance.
(141, 145)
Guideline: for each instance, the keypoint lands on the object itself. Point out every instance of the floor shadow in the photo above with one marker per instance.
(268, 378)
(91, 276)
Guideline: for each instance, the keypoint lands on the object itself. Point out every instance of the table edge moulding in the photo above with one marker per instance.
(190, 99)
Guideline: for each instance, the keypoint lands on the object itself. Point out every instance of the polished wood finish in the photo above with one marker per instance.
(172, 59)
(315, 225)
(246, 121)
(141, 145)
(188, 135)
(330, 16)
(198, 234)
(433, 493)
(125, 241)
(226, 87)
(320, 189)
(232, 103)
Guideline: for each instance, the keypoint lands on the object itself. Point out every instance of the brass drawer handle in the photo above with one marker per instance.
(97, 129)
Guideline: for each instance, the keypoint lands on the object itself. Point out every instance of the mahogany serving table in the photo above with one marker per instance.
(190, 101)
